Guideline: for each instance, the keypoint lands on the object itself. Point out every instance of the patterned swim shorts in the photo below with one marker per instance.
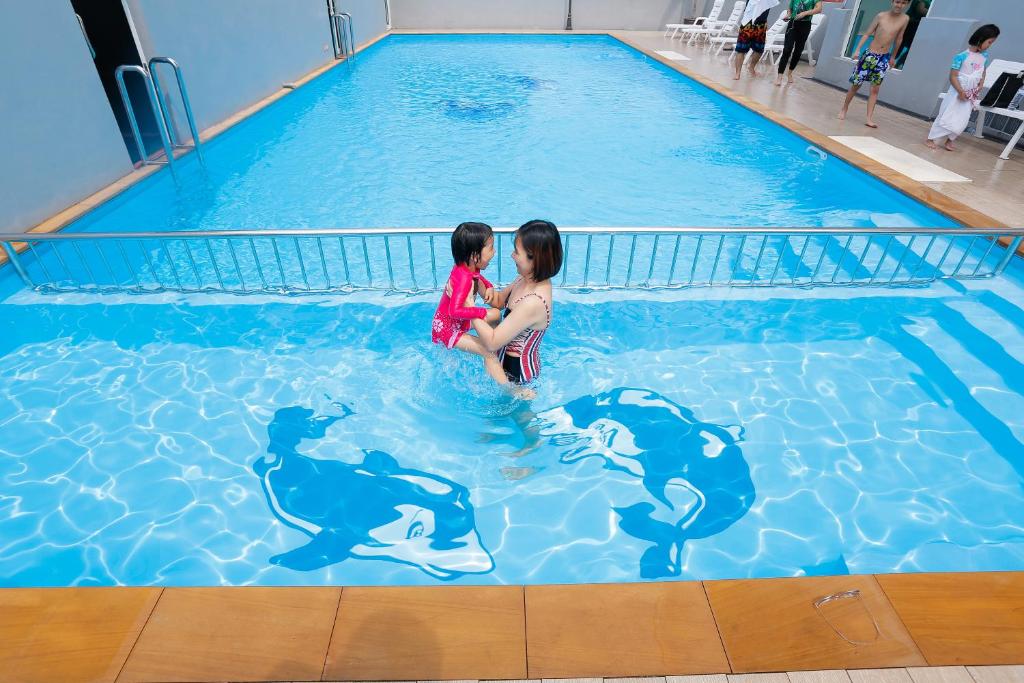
(871, 68)
(752, 35)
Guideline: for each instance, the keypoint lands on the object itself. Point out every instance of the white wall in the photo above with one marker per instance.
(234, 52)
(637, 15)
(536, 14)
(472, 14)
(58, 136)
(368, 17)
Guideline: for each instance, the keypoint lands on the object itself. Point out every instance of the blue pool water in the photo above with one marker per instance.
(674, 436)
(197, 440)
(428, 131)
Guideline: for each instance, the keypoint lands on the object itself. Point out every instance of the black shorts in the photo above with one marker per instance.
(513, 367)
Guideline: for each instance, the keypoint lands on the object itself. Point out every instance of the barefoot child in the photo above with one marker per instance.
(527, 303)
(472, 250)
(886, 30)
(966, 78)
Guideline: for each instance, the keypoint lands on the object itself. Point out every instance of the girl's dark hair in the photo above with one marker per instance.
(984, 33)
(468, 241)
(542, 243)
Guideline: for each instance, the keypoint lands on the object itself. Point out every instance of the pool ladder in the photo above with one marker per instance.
(342, 34)
(161, 110)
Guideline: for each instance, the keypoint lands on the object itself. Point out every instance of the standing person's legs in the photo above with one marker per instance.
(738, 57)
(850, 94)
(861, 73)
(881, 68)
(872, 101)
(787, 50)
(803, 31)
(757, 38)
(755, 59)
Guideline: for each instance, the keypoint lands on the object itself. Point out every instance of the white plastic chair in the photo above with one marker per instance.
(699, 22)
(774, 40)
(996, 69)
(718, 28)
(711, 23)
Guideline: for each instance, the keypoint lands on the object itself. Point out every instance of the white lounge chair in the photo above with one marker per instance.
(711, 21)
(730, 41)
(774, 40)
(995, 69)
(718, 28)
(699, 22)
(775, 46)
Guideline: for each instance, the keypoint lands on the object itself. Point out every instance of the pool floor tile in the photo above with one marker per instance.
(421, 633)
(774, 625)
(963, 618)
(254, 633)
(72, 635)
(620, 630)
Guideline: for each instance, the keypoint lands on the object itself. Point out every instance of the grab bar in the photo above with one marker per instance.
(818, 152)
(345, 41)
(166, 112)
(119, 73)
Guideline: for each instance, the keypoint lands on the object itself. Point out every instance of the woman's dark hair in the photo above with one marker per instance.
(986, 32)
(542, 243)
(468, 241)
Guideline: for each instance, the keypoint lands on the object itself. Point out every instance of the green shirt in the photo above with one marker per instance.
(798, 6)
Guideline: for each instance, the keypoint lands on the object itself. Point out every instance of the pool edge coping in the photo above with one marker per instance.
(907, 613)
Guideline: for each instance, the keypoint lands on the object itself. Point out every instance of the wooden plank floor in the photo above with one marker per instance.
(874, 629)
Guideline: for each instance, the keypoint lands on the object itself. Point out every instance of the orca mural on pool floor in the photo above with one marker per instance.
(372, 510)
(695, 471)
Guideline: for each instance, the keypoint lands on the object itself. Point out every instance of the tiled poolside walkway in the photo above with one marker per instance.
(514, 633)
(995, 187)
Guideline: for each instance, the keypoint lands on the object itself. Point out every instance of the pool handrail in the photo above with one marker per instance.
(154, 105)
(231, 261)
(165, 111)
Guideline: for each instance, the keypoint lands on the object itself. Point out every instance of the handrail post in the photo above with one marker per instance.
(12, 256)
(1011, 251)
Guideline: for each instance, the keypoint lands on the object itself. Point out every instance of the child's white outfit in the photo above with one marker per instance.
(955, 114)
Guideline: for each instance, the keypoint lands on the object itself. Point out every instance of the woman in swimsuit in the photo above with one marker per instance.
(526, 302)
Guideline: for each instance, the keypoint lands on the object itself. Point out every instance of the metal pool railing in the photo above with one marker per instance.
(418, 260)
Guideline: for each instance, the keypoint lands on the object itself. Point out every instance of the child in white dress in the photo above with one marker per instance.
(966, 78)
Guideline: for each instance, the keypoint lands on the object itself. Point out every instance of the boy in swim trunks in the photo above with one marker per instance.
(886, 32)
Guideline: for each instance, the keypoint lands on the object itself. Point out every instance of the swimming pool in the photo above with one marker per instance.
(425, 131)
(205, 440)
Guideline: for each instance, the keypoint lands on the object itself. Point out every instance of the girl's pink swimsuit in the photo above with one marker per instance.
(452, 318)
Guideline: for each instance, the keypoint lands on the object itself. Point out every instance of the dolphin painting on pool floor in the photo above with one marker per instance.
(694, 471)
(375, 509)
